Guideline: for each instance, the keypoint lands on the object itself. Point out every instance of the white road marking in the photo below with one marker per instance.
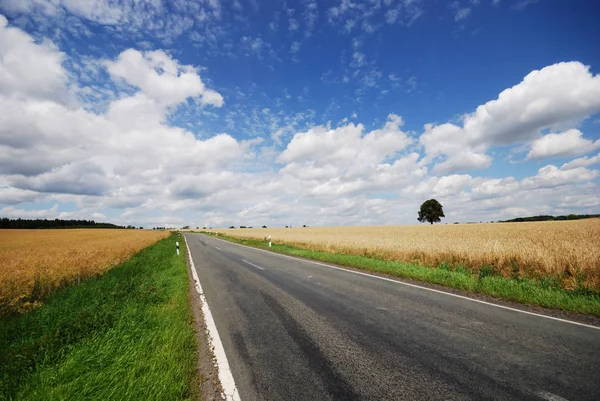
(230, 392)
(218, 248)
(418, 286)
(252, 264)
(549, 396)
(309, 276)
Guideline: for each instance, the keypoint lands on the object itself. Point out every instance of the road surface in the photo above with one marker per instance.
(295, 330)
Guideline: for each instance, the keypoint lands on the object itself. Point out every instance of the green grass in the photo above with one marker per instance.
(544, 292)
(124, 336)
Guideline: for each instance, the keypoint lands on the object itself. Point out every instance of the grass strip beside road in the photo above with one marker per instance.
(126, 335)
(545, 293)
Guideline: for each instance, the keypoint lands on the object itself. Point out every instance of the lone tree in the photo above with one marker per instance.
(431, 211)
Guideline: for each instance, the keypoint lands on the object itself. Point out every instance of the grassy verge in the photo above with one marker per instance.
(123, 336)
(545, 292)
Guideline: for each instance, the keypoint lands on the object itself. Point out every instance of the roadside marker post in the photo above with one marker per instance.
(177, 245)
(269, 241)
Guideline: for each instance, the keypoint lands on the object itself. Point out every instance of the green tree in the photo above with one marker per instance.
(431, 211)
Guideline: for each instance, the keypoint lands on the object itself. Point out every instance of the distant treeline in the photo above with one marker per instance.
(56, 223)
(551, 218)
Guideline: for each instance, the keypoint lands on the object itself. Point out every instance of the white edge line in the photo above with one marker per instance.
(549, 396)
(225, 377)
(417, 286)
(252, 264)
(218, 248)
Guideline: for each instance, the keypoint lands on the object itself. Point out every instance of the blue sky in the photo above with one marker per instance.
(337, 112)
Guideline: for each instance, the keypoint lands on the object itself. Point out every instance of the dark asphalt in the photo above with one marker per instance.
(293, 330)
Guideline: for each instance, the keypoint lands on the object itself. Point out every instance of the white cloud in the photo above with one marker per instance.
(555, 97)
(30, 69)
(311, 16)
(346, 143)
(347, 160)
(13, 196)
(79, 178)
(13, 212)
(552, 190)
(126, 18)
(552, 176)
(582, 162)
(447, 139)
(103, 12)
(126, 157)
(462, 14)
(358, 59)
(368, 15)
(161, 78)
(486, 188)
(412, 84)
(520, 5)
(295, 47)
(391, 16)
(568, 143)
(443, 186)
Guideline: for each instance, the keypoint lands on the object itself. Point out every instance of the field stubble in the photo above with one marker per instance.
(34, 263)
(567, 253)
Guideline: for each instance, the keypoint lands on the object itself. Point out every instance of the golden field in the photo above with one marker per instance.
(35, 262)
(568, 251)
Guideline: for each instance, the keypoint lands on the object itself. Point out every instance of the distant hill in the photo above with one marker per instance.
(56, 223)
(551, 218)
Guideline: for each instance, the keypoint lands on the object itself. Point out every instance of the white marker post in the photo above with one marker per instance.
(269, 241)
(177, 245)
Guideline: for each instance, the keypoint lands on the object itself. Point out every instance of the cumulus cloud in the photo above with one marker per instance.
(346, 144)
(125, 163)
(486, 188)
(349, 160)
(125, 157)
(568, 143)
(443, 186)
(161, 78)
(552, 176)
(14, 196)
(448, 140)
(81, 178)
(582, 162)
(552, 190)
(14, 212)
(30, 69)
(555, 97)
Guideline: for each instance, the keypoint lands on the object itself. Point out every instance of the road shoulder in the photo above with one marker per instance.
(207, 385)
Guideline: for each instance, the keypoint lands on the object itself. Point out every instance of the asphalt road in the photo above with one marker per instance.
(293, 330)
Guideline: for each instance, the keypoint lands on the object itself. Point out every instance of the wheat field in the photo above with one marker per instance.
(568, 251)
(33, 263)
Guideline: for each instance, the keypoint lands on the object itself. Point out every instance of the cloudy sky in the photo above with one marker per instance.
(220, 112)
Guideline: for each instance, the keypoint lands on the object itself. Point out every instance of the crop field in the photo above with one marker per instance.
(567, 252)
(33, 263)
